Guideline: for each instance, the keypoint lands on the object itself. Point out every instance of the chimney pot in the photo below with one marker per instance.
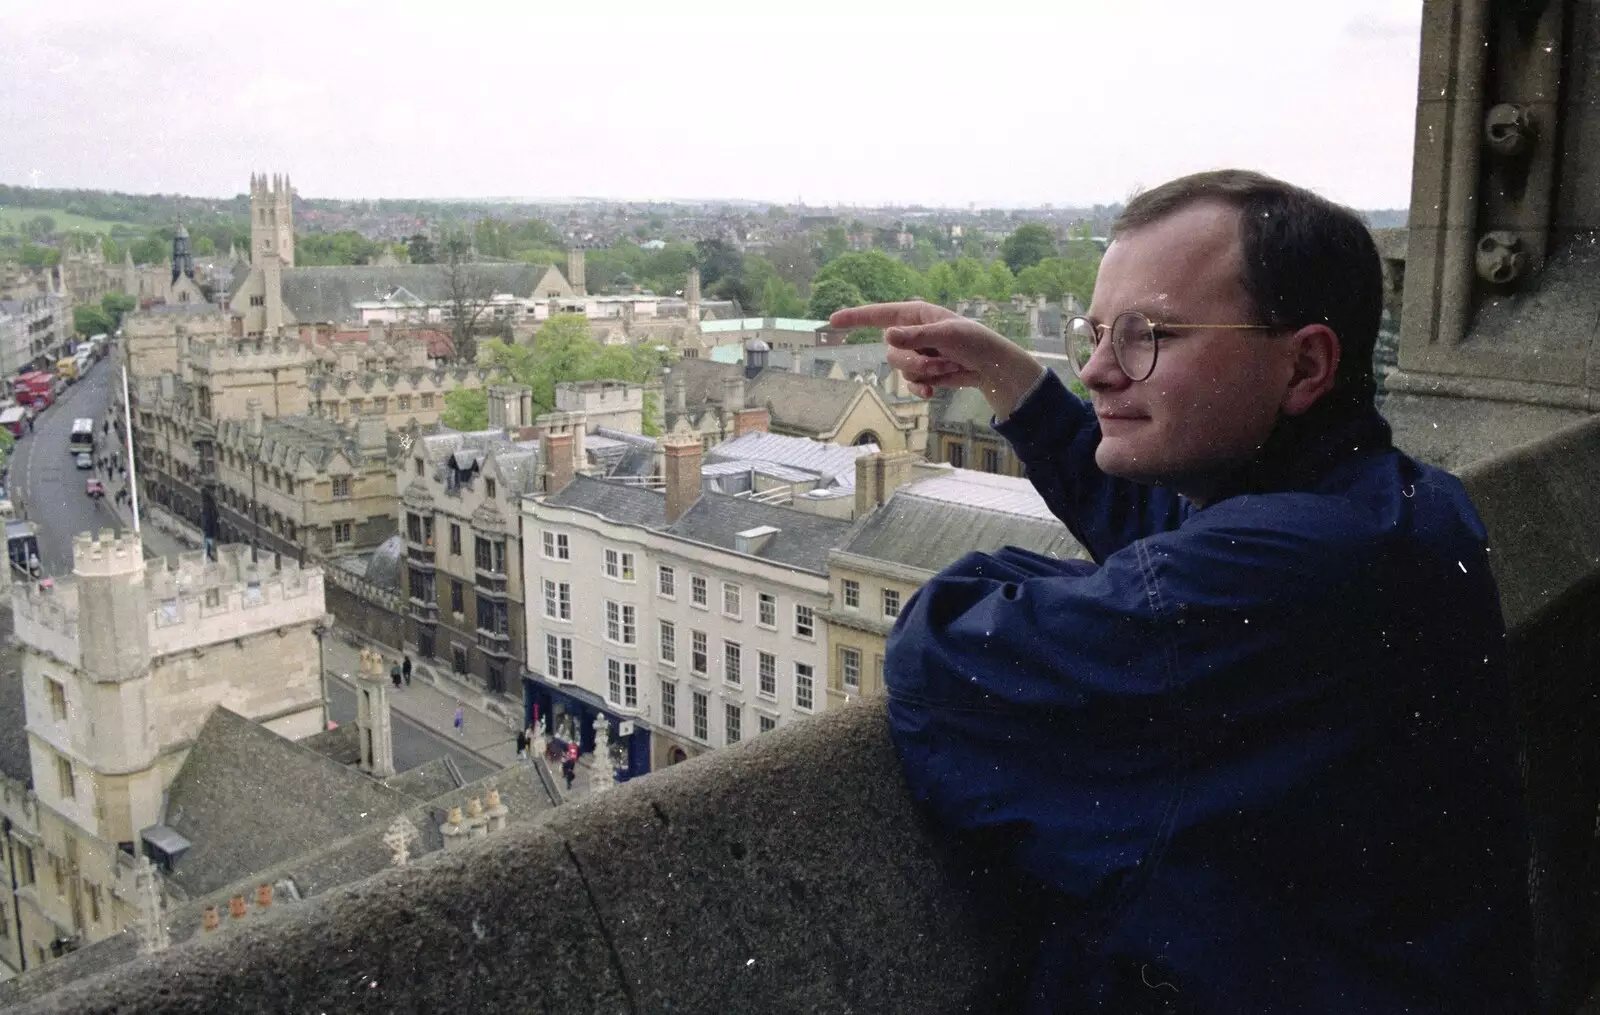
(263, 896)
(236, 907)
(210, 920)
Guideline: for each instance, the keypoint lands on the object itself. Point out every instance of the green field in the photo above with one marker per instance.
(11, 220)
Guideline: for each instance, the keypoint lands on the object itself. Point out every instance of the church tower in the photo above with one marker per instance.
(182, 263)
(271, 219)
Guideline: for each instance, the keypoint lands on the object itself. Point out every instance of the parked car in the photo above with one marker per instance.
(94, 488)
(85, 460)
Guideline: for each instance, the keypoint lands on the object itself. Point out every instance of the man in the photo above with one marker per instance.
(1258, 756)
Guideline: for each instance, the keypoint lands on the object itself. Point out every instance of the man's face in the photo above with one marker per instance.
(1215, 394)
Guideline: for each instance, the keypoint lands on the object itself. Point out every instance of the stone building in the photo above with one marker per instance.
(391, 373)
(34, 330)
(122, 664)
(156, 339)
(462, 524)
(173, 283)
(722, 400)
(296, 484)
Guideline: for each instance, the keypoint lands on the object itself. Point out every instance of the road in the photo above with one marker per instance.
(44, 481)
(414, 744)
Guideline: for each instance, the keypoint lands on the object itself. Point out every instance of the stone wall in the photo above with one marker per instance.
(362, 606)
(791, 873)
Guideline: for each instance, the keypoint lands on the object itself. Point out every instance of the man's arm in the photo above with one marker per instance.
(1054, 434)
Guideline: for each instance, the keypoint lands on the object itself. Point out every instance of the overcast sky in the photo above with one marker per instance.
(866, 102)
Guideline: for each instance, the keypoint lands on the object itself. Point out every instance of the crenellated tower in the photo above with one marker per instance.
(271, 218)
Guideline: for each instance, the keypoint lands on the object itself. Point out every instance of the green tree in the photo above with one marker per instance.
(151, 250)
(205, 246)
(39, 227)
(419, 250)
(833, 243)
(465, 409)
(998, 281)
(110, 251)
(877, 276)
(90, 320)
(35, 256)
(832, 294)
(781, 299)
(1057, 277)
(1030, 244)
(116, 306)
(564, 350)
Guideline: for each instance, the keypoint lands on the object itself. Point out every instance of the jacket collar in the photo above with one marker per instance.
(1303, 451)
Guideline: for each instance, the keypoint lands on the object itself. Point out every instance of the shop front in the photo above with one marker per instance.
(567, 714)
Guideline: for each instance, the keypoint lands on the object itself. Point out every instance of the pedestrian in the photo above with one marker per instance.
(1267, 728)
(406, 670)
(394, 675)
(460, 721)
(522, 744)
(568, 772)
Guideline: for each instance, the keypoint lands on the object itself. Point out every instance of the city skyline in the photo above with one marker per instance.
(889, 106)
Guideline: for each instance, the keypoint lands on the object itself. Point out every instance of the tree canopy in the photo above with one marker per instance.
(1031, 243)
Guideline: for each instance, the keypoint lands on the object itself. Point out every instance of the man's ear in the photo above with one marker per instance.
(1316, 367)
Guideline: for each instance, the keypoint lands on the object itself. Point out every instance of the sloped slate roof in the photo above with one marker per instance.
(426, 781)
(629, 505)
(249, 799)
(328, 294)
(931, 534)
(795, 401)
(803, 540)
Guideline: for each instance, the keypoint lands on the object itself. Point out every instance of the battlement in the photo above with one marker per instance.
(271, 354)
(598, 396)
(192, 601)
(107, 553)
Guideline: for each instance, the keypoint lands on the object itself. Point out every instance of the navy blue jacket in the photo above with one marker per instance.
(1259, 757)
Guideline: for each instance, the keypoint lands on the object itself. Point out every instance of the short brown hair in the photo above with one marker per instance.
(1306, 260)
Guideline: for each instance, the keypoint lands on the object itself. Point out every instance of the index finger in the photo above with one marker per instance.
(887, 315)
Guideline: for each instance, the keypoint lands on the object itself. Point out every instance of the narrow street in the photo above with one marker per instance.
(45, 485)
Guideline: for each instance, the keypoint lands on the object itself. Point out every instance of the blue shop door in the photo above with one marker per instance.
(638, 754)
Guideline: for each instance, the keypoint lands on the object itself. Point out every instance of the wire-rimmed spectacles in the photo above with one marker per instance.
(1135, 340)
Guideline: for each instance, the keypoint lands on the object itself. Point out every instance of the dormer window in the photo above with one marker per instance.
(488, 487)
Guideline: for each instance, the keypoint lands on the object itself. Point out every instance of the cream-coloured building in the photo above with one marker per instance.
(721, 400)
(298, 485)
(122, 664)
(691, 619)
(912, 520)
(391, 375)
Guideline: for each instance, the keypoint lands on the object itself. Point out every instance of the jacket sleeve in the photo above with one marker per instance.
(1054, 434)
(1063, 706)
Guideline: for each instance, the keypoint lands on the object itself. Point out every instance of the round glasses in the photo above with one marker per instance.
(1135, 340)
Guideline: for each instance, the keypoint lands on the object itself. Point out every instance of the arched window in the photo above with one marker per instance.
(867, 437)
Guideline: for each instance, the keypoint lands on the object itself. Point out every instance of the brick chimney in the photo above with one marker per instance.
(575, 276)
(879, 476)
(748, 420)
(681, 472)
(557, 451)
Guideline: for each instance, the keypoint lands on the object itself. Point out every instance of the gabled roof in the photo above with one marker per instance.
(328, 294)
(795, 401)
(248, 799)
(931, 524)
